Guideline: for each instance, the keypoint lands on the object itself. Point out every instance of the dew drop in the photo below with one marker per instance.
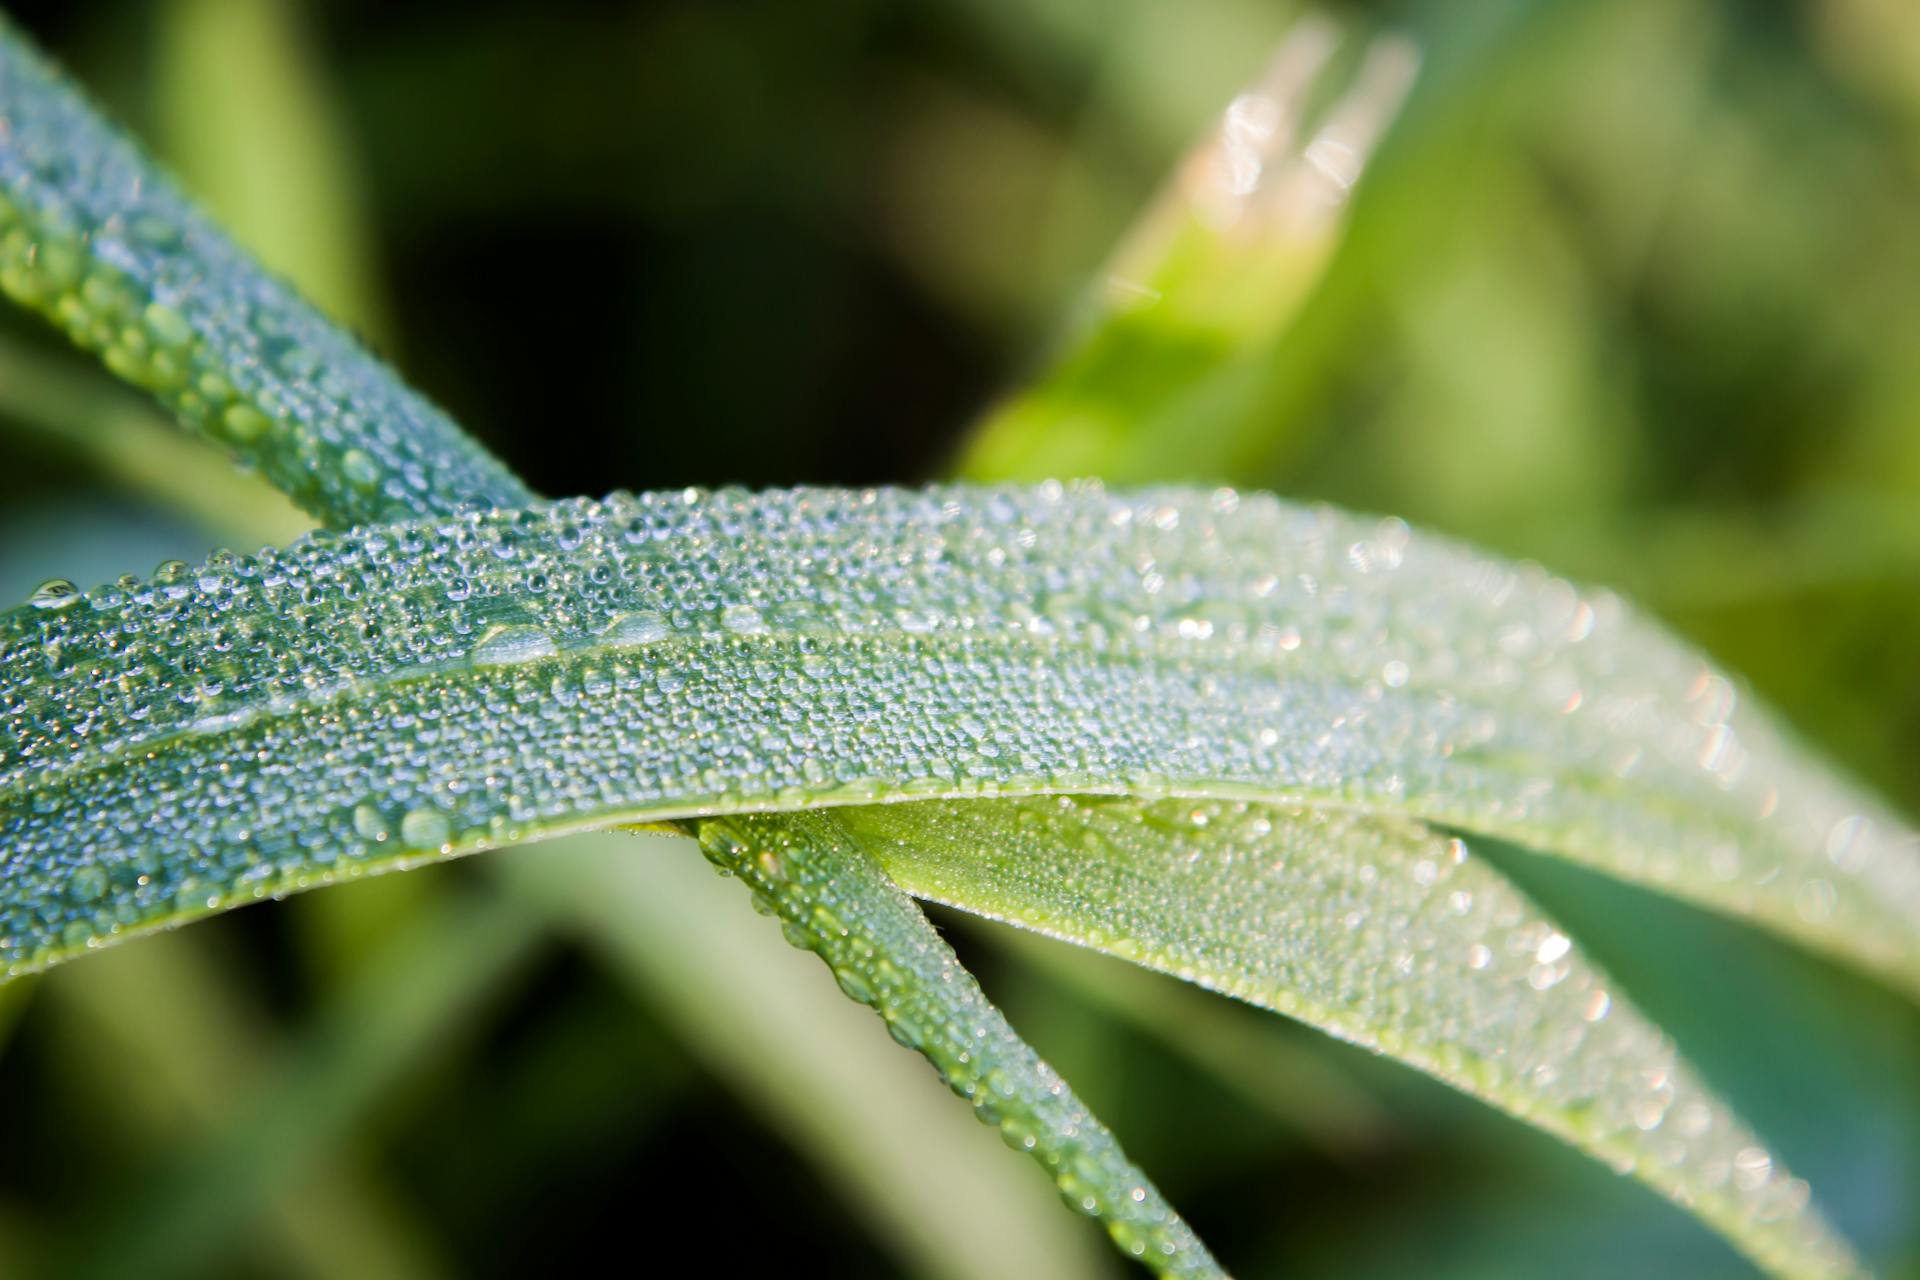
(167, 326)
(635, 630)
(245, 424)
(1752, 1166)
(361, 471)
(87, 884)
(54, 593)
(508, 646)
(742, 619)
(370, 823)
(425, 829)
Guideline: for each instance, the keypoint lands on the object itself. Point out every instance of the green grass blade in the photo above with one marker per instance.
(96, 238)
(836, 901)
(474, 681)
(249, 117)
(1169, 360)
(1385, 934)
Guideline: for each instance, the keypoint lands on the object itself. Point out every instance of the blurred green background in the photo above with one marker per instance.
(1630, 287)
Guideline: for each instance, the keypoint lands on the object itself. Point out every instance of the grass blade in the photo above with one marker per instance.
(1384, 934)
(1159, 375)
(96, 238)
(468, 682)
(837, 901)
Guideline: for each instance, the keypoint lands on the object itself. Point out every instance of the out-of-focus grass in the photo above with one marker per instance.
(246, 118)
(165, 1047)
(1629, 287)
(917, 1168)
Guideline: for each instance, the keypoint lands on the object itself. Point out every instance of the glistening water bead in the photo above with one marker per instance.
(54, 593)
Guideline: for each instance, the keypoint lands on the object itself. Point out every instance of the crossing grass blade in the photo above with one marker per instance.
(1383, 933)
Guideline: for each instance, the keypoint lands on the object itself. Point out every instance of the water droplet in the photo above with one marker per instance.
(370, 823)
(635, 630)
(360, 470)
(54, 593)
(167, 326)
(425, 829)
(245, 424)
(742, 619)
(509, 646)
(87, 884)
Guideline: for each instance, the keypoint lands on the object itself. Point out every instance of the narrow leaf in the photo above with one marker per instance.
(834, 899)
(96, 238)
(269, 722)
(1383, 933)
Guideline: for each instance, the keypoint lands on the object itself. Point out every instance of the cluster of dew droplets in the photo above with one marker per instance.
(1383, 933)
(832, 899)
(106, 247)
(476, 677)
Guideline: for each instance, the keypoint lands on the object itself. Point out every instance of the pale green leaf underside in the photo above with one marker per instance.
(264, 723)
(1383, 933)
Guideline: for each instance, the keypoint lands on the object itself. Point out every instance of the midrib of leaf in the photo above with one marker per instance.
(319, 448)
